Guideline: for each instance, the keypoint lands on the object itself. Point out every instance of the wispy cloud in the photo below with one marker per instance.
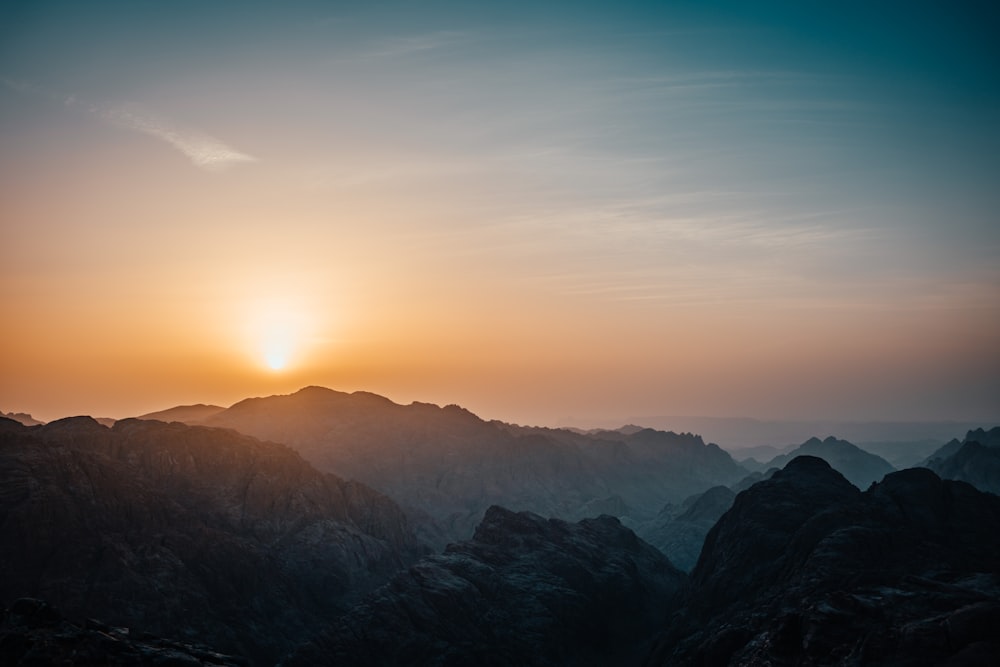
(204, 151)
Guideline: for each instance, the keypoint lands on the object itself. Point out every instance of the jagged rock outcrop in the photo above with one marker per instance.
(975, 460)
(804, 569)
(861, 468)
(34, 633)
(450, 465)
(524, 591)
(189, 532)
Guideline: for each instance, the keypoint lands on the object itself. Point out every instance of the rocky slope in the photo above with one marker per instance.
(679, 531)
(448, 464)
(804, 569)
(858, 466)
(975, 460)
(524, 591)
(189, 532)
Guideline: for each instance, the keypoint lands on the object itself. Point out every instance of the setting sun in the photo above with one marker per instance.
(278, 332)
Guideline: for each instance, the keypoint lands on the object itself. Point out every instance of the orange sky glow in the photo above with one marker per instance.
(539, 224)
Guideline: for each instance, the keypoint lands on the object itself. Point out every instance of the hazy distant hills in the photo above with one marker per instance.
(188, 532)
(188, 414)
(450, 464)
(858, 466)
(22, 418)
(738, 433)
(523, 591)
(806, 569)
(679, 530)
(975, 460)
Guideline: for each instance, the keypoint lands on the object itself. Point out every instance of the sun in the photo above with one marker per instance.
(278, 330)
(275, 360)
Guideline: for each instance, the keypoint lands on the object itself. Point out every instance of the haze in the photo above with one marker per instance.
(590, 211)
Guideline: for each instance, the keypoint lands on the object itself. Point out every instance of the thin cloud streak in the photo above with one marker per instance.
(202, 150)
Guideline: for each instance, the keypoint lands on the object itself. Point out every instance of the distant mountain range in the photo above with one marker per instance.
(448, 466)
(736, 433)
(21, 417)
(859, 467)
(229, 538)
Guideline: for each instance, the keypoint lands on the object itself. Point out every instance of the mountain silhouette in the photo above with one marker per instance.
(861, 468)
(449, 465)
(188, 414)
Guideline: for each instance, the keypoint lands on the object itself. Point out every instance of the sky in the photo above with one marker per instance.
(540, 211)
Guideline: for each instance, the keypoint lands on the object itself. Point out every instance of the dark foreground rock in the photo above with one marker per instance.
(196, 533)
(806, 570)
(524, 591)
(34, 633)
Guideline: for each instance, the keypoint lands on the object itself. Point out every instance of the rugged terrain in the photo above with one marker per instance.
(450, 465)
(805, 569)
(975, 460)
(523, 591)
(195, 533)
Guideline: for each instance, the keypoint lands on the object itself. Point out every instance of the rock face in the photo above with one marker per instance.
(679, 531)
(524, 591)
(804, 569)
(196, 533)
(976, 460)
(34, 633)
(859, 467)
(448, 464)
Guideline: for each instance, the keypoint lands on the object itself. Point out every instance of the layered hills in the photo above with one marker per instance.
(861, 468)
(975, 460)
(189, 532)
(448, 465)
(523, 591)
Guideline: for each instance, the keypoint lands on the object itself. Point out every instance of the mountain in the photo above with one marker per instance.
(449, 465)
(858, 466)
(523, 591)
(22, 418)
(679, 531)
(759, 454)
(902, 454)
(735, 433)
(188, 414)
(976, 460)
(195, 533)
(804, 569)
